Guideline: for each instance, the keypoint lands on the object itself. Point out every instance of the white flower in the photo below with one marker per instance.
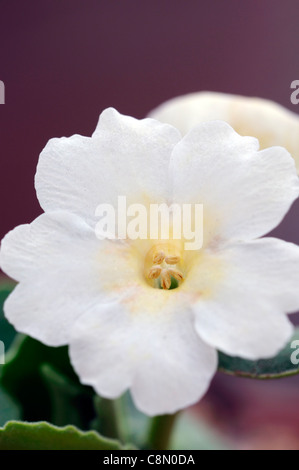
(269, 122)
(97, 296)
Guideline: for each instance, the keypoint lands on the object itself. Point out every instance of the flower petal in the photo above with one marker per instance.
(124, 157)
(159, 356)
(63, 270)
(269, 122)
(244, 192)
(244, 314)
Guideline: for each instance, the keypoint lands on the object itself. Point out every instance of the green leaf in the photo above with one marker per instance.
(276, 367)
(41, 380)
(8, 408)
(191, 434)
(7, 331)
(132, 424)
(68, 398)
(36, 388)
(44, 436)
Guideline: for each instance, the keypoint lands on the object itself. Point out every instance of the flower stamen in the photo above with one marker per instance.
(165, 279)
(158, 257)
(172, 259)
(176, 274)
(154, 272)
(160, 266)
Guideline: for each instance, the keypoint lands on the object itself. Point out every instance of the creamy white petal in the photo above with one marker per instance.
(245, 192)
(159, 356)
(244, 313)
(63, 270)
(269, 122)
(124, 157)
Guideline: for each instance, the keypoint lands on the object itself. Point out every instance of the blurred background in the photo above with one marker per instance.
(64, 61)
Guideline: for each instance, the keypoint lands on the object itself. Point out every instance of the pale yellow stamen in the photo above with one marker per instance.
(154, 272)
(158, 257)
(172, 259)
(165, 279)
(176, 274)
(163, 265)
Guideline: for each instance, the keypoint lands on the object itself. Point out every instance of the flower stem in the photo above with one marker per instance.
(160, 431)
(111, 417)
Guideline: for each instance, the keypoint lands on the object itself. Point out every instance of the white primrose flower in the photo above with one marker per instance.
(269, 122)
(102, 298)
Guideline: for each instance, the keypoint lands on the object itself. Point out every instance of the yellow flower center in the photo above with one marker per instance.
(163, 266)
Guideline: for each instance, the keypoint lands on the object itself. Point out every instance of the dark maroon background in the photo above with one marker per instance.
(64, 61)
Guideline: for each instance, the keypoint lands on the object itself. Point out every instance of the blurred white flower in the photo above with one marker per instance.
(269, 122)
(98, 296)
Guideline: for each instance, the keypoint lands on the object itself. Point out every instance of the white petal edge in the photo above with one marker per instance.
(63, 271)
(245, 192)
(269, 122)
(245, 315)
(159, 357)
(124, 157)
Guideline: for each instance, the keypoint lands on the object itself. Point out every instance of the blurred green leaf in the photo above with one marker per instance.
(37, 382)
(36, 387)
(43, 436)
(132, 424)
(191, 434)
(69, 401)
(276, 367)
(7, 331)
(8, 408)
